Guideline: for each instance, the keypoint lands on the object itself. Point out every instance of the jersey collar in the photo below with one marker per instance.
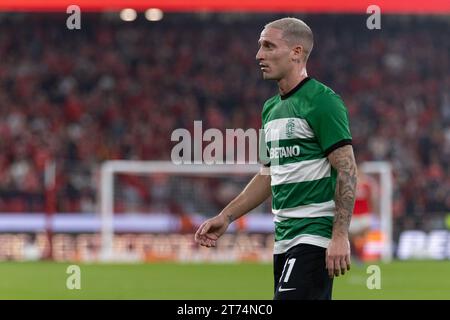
(294, 90)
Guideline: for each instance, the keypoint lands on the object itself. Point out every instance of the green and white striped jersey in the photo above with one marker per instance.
(300, 129)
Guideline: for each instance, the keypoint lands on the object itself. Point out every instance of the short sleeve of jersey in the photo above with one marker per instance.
(329, 121)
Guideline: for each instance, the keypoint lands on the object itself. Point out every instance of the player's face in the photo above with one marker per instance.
(273, 54)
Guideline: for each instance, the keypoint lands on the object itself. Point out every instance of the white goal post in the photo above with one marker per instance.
(111, 168)
(384, 169)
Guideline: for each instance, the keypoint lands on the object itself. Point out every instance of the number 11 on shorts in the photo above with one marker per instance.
(289, 262)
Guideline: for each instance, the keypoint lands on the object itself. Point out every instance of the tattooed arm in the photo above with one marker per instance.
(338, 252)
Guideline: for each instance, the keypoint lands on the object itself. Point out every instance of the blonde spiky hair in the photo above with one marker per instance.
(295, 32)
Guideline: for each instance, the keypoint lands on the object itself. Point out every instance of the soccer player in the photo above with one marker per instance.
(312, 170)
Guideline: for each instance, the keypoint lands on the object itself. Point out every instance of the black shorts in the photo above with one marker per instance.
(301, 274)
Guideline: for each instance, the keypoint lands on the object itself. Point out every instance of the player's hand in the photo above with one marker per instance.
(337, 257)
(210, 230)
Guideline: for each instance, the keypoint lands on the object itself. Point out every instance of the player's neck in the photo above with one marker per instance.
(291, 81)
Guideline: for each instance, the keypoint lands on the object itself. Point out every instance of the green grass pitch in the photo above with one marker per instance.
(47, 280)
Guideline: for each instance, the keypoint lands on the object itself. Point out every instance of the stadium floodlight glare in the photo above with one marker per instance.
(128, 14)
(153, 14)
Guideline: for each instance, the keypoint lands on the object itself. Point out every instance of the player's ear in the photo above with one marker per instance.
(297, 53)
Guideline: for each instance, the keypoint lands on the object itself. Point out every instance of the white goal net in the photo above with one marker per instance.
(161, 197)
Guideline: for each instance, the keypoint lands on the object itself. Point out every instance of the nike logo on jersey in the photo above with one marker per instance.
(286, 289)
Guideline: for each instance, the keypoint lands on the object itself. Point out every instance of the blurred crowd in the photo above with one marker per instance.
(117, 90)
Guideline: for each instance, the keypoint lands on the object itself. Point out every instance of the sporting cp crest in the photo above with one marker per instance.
(290, 128)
